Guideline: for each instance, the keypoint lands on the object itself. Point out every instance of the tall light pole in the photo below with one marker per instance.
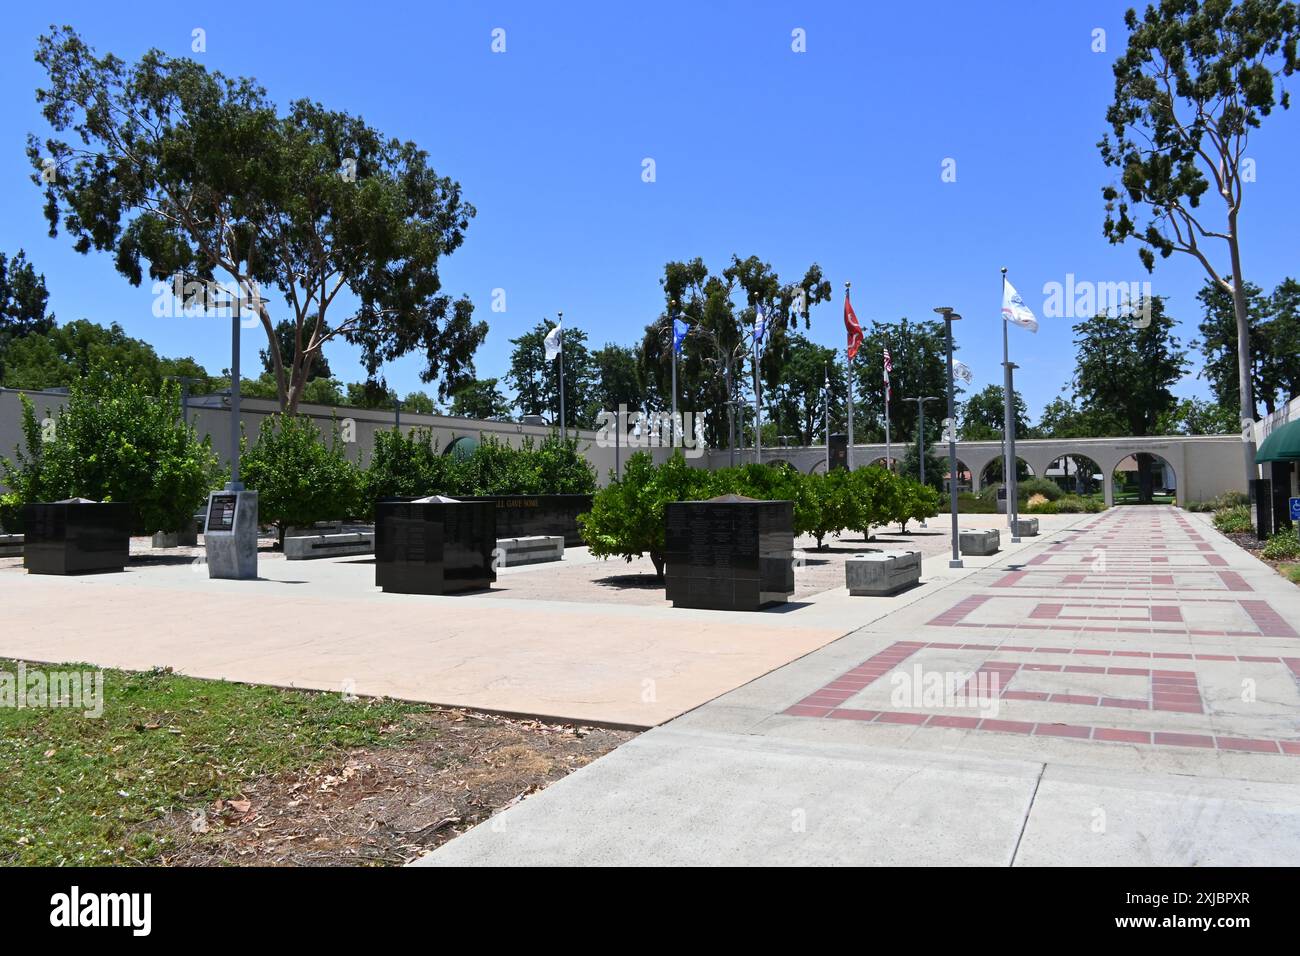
(1009, 479)
(949, 316)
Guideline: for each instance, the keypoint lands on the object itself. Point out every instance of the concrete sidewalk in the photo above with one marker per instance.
(1143, 709)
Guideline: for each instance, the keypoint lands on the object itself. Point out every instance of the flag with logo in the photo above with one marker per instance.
(852, 327)
(552, 343)
(889, 367)
(760, 326)
(680, 329)
(962, 371)
(1015, 310)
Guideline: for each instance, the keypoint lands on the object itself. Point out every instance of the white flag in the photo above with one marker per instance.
(1015, 310)
(962, 371)
(552, 343)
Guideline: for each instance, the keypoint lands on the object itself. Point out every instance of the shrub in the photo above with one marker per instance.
(1283, 546)
(627, 515)
(1071, 504)
(300, 479)
(1042, 507)
(1231, 499)
(114, 441)
(1234, 520)
(1039, 486)
(403, 465)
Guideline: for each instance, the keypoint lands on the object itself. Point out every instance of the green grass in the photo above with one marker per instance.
(1292, 571)
(74, 789)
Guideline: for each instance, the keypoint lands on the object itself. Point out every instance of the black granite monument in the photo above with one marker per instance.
(729, 553)
(434, 545)
(76, 536)
(523, 516)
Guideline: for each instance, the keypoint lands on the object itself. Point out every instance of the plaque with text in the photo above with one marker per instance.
(221, 514)
(730, 553)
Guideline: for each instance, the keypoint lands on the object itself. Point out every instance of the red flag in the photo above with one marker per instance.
(851, 325)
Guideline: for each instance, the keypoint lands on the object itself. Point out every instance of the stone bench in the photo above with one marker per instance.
(534, 549)
(881, 573)
(11, 546)
(1026, 527)
(980, 542)
(303, 547)
(188, 538)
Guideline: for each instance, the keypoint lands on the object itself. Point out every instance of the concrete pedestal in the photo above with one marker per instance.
(981, 542)
(230, 535)
(1026, 527)
(881, 573)
(535, 549)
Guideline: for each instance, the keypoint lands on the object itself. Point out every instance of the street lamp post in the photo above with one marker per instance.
(949, 316)
(1009, 479)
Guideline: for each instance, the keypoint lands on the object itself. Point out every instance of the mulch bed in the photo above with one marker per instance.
(386, 806)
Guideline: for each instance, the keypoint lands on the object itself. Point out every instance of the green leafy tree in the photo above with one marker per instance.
(627, 515)
(404, 465)
(919, 354)
(299, 477)
(715, 372)
(795, 404)
(982, 415)
(1063, 418)
(1195, 416)
(537, 382)
(115, 440)
(23, 300)
(286, 339)
(193, 174)
(481, 399)
(1274, 324)
(618, 378)
(1126, 369)
(1197, 78)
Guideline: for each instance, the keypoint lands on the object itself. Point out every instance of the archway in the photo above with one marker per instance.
(818, 467)
(880, 461)
(992, 472)
(1144, 478)
(1076, 474)
(964, 476)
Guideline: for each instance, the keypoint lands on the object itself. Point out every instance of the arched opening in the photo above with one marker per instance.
(1076, 475)
(992, 473)
(462, 447)
(778, 463)
(818, 467)
(964, 476)
(1144, 478)
(882, 462)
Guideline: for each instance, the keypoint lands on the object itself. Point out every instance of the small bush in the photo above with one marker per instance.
(1039, 486)
(1231, 499)
(1234, 520)
(1071, 505)
(1042, 507)
(1283, 546)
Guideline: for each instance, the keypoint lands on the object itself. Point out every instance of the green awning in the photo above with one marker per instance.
(1282, 444)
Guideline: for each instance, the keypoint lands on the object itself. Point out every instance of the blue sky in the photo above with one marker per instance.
(833, 155)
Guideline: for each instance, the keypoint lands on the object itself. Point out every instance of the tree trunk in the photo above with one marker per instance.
(1144, 462)
(1245, 386)
(657, 559)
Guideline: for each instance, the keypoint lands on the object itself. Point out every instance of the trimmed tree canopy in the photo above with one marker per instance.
(189, 173)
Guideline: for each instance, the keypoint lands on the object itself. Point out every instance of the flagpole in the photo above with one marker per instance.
(758, 405)
(564, 428)
(889, 455)
(849, 450)
(1008, 425)
(826, 416)
(672, 343)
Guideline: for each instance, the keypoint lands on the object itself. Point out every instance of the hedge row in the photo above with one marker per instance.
(627, 517)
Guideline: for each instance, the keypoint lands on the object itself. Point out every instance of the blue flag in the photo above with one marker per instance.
(679, 334)
(760, 326)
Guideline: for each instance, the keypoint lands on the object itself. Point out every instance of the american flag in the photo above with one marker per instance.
(889, 362)
(889, 367)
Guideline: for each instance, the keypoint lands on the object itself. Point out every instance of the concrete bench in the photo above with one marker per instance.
(881, 573)
(535, 549)
(303, 547)
(980, 542)
(11, 546)
(1026, 527)
(188, 538)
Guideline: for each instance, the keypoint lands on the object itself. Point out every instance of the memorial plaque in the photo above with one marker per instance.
(76, 536)
(221, 513)
(839, 451)
(730, 553)
(230, 534)
(434, 545)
